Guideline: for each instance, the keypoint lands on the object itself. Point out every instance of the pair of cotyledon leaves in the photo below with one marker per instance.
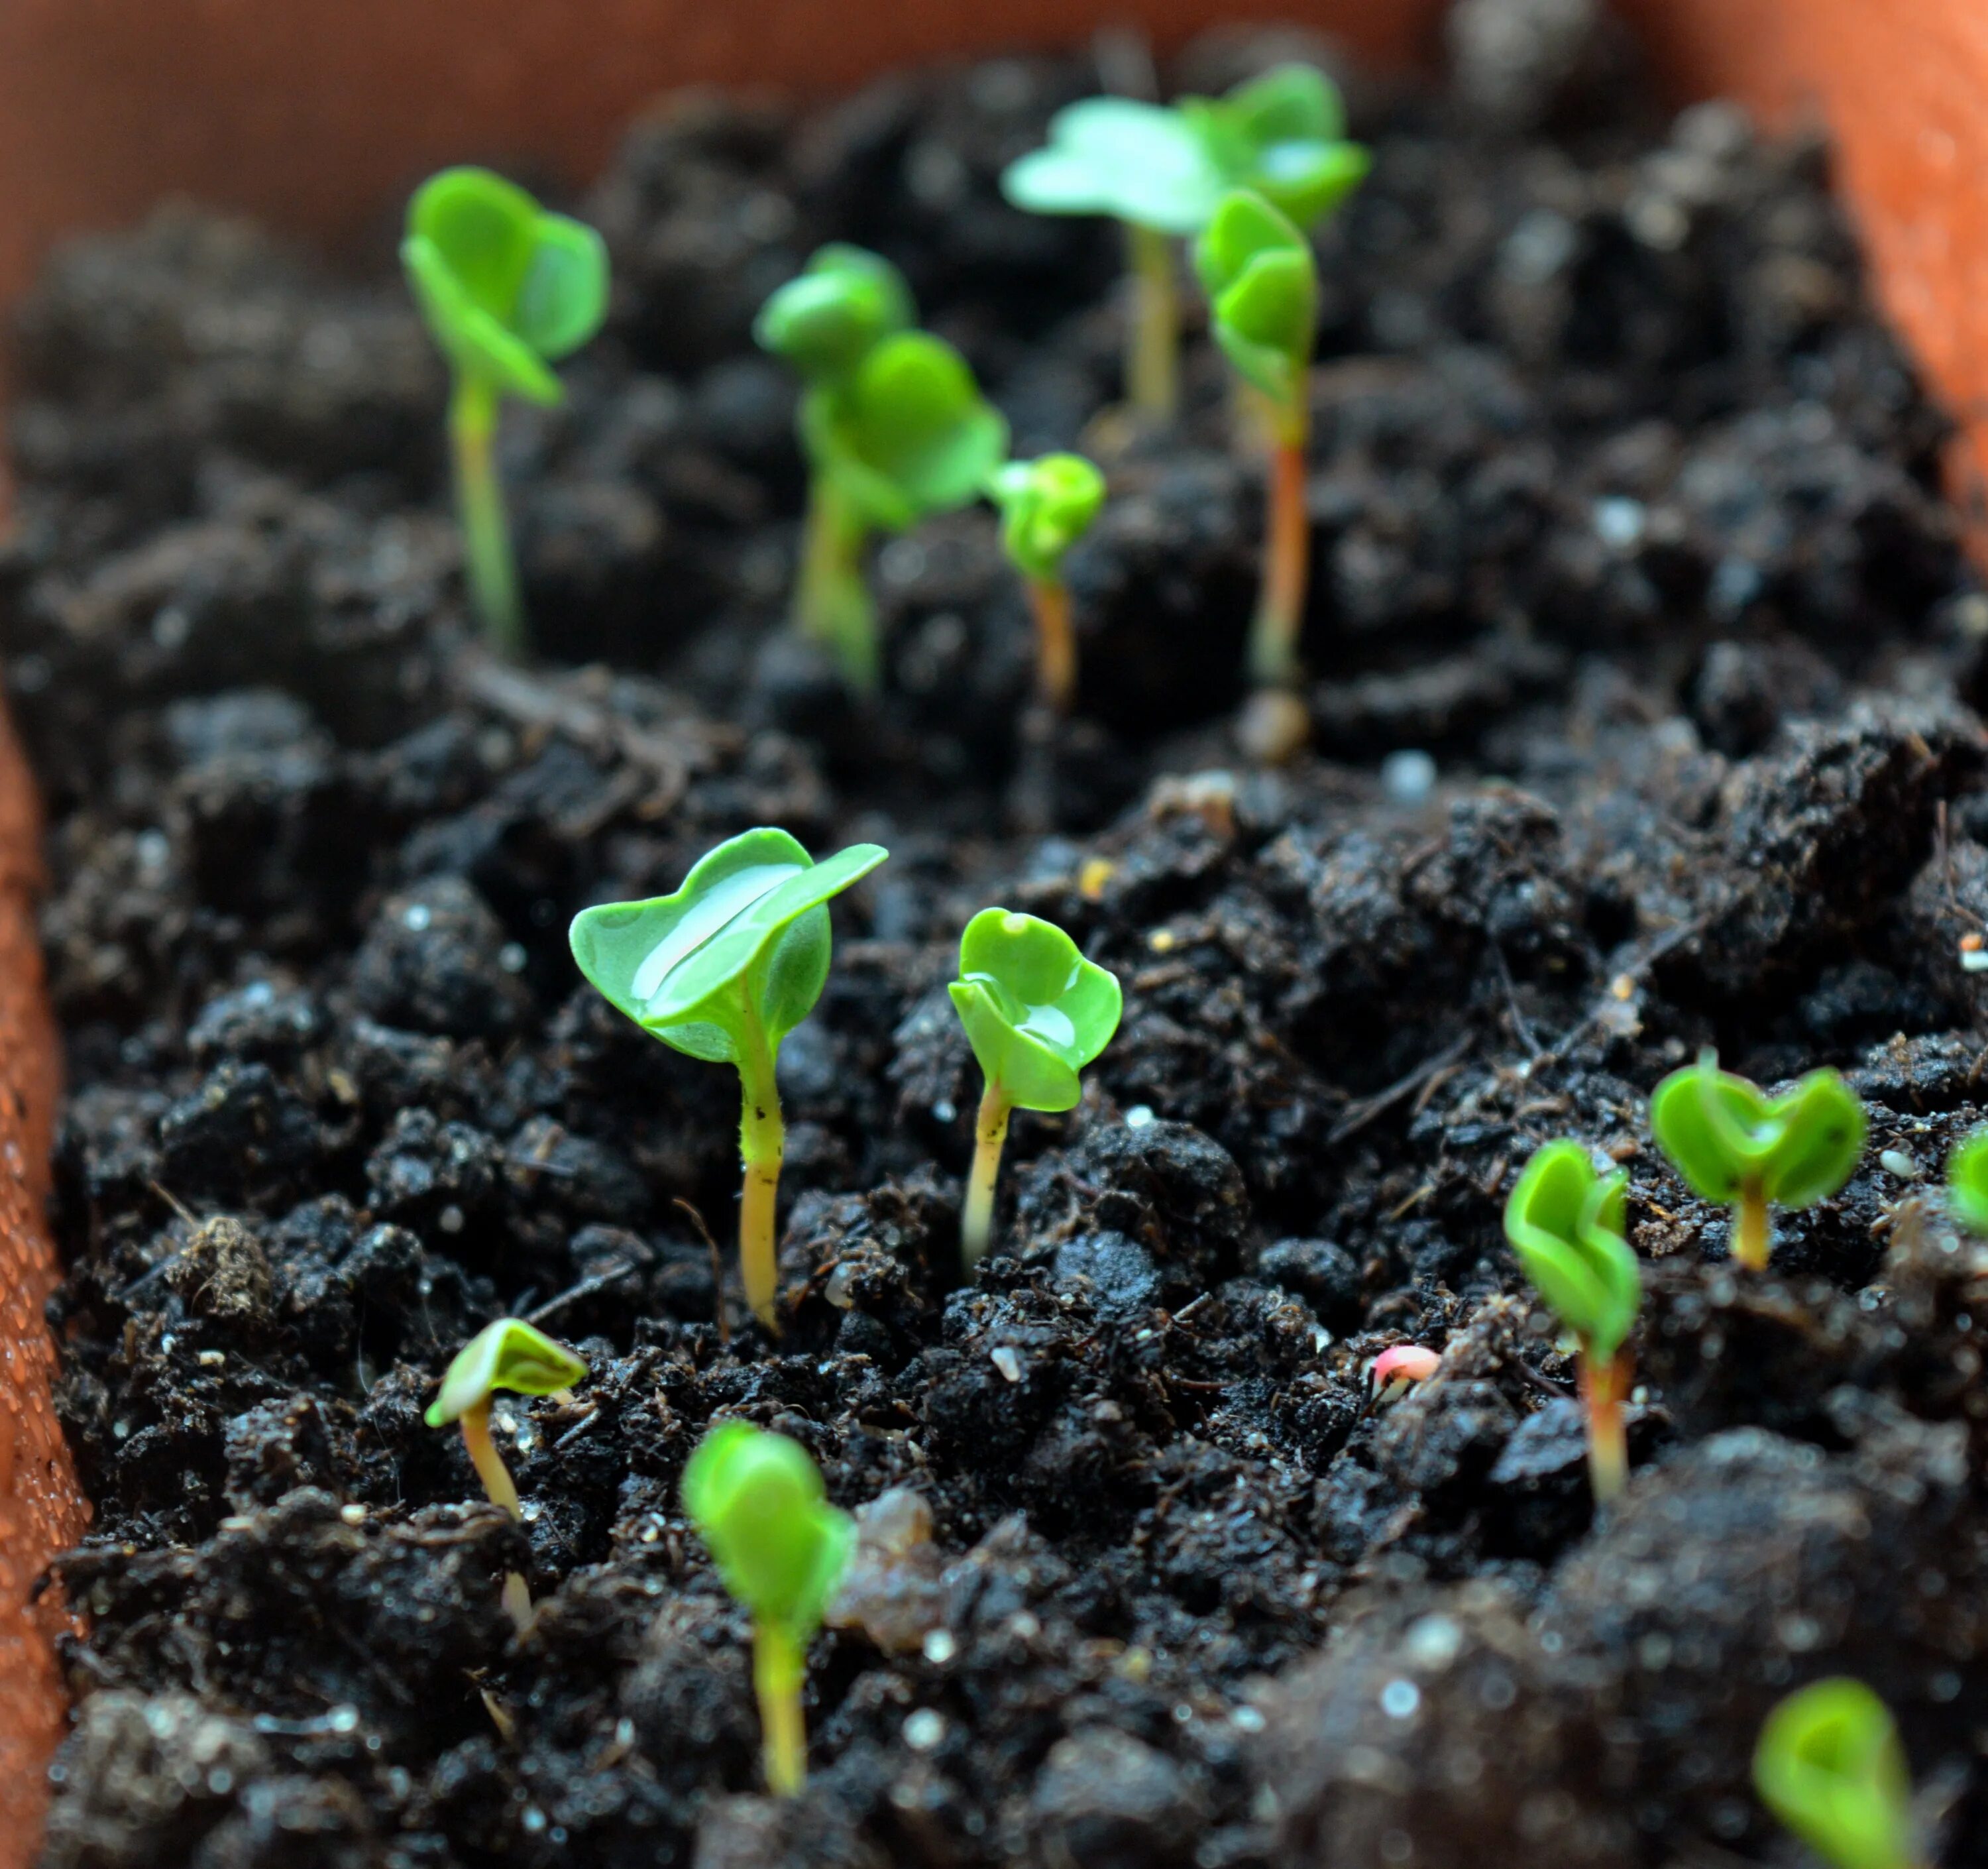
(1829, 1764)
(1261, 281)
(745, 942)
(1282, 135)
(892, 414)
(780, 1547)
(1565, 1223)
(1726, 1136)
(1046, 506)
(505, 286)
(509, 1354)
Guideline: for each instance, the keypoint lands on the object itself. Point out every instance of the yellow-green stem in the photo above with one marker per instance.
(1752, 1238)
(832, 602)
(779, 1666)
(1152, 331)
(763, 1142)
(1604, 1386)
(1279, 620)
(976, 1225)
(486, 531)
(489, 1463)
(1056, 642)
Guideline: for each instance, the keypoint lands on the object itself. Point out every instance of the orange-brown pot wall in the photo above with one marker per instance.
(41, 1511)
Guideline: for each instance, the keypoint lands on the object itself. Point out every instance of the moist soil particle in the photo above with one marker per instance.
(1624, 514)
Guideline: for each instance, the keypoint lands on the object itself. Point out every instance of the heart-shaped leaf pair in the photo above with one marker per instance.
(1036, 1012)
(736, 958)
(505, 286)
(1262, 282)
(1283, 135)
(1729, 1140)
(1046, 506)
(758, 1501)
(509, 1354)
(1565, 1223)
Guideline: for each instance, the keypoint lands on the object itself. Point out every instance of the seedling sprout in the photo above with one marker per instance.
(1397, 1371)
(782, 1550)
(1732, 1143)
(1283, 135)
(1046, 506)
(893, 427)
(723, 970)
(1036, 1013)
(1565, 1224)
(509, 1354)
(1967, 1182)
(506, 289)
(1262, 284)
(1829, 1766)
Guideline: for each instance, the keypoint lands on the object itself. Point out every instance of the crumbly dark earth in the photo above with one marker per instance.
(1626, 511)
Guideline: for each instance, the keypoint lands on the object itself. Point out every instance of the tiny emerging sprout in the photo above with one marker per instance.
(1036, 1013)
(782, 1550)
(1967, 1183)
(1397, 1371)
(1565, 1224)
(509, 1354)
(1046, 506)
(1145, 166)
(506, 287)
(1829, 1766)
(1262, 283)
(723, 970)
(894, 426)
(1732, 1143)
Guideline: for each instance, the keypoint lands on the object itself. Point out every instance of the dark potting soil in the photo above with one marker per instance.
(1625, 512)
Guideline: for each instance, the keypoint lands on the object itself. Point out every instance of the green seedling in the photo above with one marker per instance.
(1967, 1183)
(1283, 135)
(1046, 506)
(1565, 1223)
(509, 1354)
(1732, 1143)
(1162, 174)
(782, 1550)
(1262, 283)
(1036, 1013)
(893, 427)
(1145, 166)
(506, 289)
(1829, 1766)
(723, 970)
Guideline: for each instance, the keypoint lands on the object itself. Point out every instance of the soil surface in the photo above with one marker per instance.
(1626, 517)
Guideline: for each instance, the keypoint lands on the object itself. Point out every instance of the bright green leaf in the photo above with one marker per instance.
(1046, 506)
(747, 934)
(509, 1354)
(1565, 1223)
(758, 1500)
(828, 319)
(1262, 282)
(1829, 1766)
(1722, 1133)
(1282, 136)
(1137, 162)
(1036, 1011)
(1967, 1182)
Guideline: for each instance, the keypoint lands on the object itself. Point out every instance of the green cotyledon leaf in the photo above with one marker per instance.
(1829, 1766)
(746, 935)
(1046, 506)
(1135, 161)
(842, 305)
(1565, 1223)
(1036, 1011)
(509, 1354)
(1722, 1133)
(1262, 282)
(1967, 1182)
(757, 1500)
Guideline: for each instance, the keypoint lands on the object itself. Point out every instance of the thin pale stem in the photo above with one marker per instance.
(778, 1668)
(486, 529)
(832, 602)
(1752, 1236)
(1604, 1386)
(763, 1142)
(1279, 620)
(489, 1464)
(976, 1225)
(1152, 332)
(1056, 642)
